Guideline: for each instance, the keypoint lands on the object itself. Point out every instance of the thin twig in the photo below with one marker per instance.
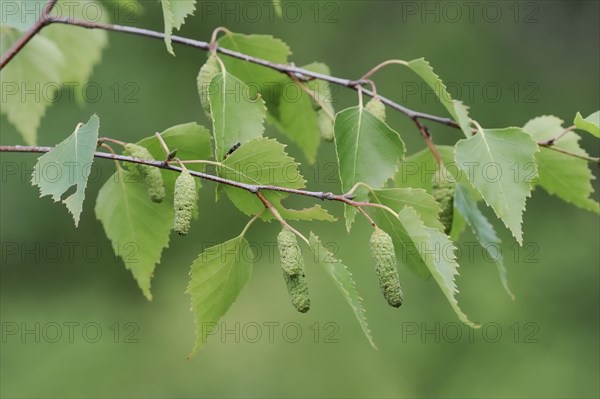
(278, 216)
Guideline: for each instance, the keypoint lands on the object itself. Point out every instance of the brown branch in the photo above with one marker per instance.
(283, 68)
(42, 21)
(252, 188)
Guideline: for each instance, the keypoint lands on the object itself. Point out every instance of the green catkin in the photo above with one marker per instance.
(376, 107)
(292, 265)
(207, 72)
(151, 175)
(325, 125)
(184, 200)
(442, 189)
(382, 250)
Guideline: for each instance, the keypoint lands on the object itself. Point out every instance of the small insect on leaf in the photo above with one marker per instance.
(376, 107)
(233, 148)
(151, 175)
(382, 250)
(183, 202)
(442, 189)
(292, 265)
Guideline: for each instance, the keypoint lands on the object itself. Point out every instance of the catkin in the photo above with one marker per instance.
(151, 175)
(382, 250)
(184, 200)
(376, 107)
(442, 189)
(325, 125)
(292, 265)
(207, 72)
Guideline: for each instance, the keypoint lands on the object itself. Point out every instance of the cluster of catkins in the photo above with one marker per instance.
(184, 197)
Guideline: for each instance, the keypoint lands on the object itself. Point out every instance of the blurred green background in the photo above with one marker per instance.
(522, 59)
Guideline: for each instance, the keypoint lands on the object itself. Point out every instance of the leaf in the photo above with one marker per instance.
(342, 276)
(500, 164)
(483, 230)
(368, 151)
(52, 58)
(37, 66)
(137, 227)
(591, 124)
(404, 246)
(21, 15)
(82, 49)
(297, 115)
(192, 141)
(457, 109)
(237, 117)
(418, 199)
(437, 252)
(67, 165)
(264, 162)
(216, 279)
(174, 14)
(565, 176)
(277, 7)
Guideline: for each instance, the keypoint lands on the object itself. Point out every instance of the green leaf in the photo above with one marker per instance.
(565, 176)
(137, 227)
(404, 246)
(192, 141)
(37, 66)
(277, 7)
(21, 15)
(591, 124)
(437, 252)
(417, 198)
(483, 230)
(457, 109)
(237, 117)
(51, 58)
(500, 164)
(368, 151)
(264, 162)
(67, 165)
(342, 276)
(261, 79)
(216, 279)
(297, 115)
(81, 49)
(174, 14)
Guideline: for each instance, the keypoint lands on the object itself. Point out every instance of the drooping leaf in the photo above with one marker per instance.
(343, 278)
(591, 124)
(264, 162)
(137, 227)
(437, 252)
(404, 246)
(216, 279)
(484, 231)
(67, 165)
(174, 14)
(81, 49)
(297, 115)
(565, 176)
(52, 58)
(368, 151)
(418, 199)
(500, 164)
(457, 109)
(38, 65)
(237, 117)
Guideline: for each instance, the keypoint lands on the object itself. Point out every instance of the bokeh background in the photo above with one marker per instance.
(521, 59)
